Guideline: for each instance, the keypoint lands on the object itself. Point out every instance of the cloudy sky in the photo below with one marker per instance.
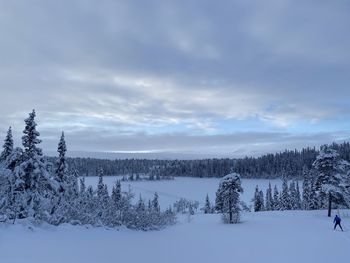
(218, 78)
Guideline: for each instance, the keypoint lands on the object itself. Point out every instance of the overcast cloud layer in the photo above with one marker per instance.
(215, 78)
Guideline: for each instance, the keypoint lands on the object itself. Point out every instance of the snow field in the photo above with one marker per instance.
(289, 237)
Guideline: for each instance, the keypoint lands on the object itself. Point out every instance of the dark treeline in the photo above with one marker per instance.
(287, 164)
(168, 168)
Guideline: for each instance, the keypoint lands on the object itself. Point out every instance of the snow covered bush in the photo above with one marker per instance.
(227, 198)
(185, 206)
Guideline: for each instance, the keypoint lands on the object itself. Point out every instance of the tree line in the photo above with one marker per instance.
(325, 185)
(288, 164)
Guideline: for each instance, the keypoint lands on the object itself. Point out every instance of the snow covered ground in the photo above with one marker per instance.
(194, 189)
(291, 236)
(288, 236)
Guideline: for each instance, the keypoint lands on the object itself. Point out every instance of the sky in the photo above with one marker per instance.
(191, 78)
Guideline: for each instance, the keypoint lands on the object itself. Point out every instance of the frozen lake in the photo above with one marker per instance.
(194, 189)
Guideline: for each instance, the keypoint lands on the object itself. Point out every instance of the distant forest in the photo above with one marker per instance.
(288, 164)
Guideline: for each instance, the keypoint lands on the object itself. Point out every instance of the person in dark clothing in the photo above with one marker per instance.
(336, 222)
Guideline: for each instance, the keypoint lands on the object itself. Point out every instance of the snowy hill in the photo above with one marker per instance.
(290, 236)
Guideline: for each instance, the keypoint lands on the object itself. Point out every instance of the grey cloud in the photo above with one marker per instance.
(115, 66)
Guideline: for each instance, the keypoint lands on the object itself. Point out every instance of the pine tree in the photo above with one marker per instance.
(140, 206)
(227, 197)
(306, 193)
(62, 169)
(100, 184)
(285, 199)
(155, 203)
(82, 187)
(116, 193)
(313, 201)
(269, 200)
(262, 200)
(34, 185)
(331, 178)
(298, 197)
(30, 138)
(207, 207)
(8, 146)
(258, 200)
(293, 198)
(276, 199)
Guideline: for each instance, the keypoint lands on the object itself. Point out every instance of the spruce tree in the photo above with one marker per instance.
(276, 199)
(262, 200)
(313, 201)
(293, 199)
(62, 169)
(8, 146)
(100, 184)
(285, 199)
(116, 193)
(269, 199)
(332, 174)
(306, 193)
(140, 206)
(82, 187)
(227, 197)
(207, 207)
(34, 184)
(298, 197)
(30, 139)
(258, 200)
(155, 203)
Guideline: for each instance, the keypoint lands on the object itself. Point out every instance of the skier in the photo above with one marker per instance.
(336, 222)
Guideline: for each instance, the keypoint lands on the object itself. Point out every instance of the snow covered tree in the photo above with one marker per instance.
(100, 185)
(208, 209)
(276, 199)
(8, 146)
(258, 200)
(269, 199)
(140, 206)
(34, 184)
(285, 199)
(116, 193)
(82, 187)
(62, 169)
(309, 195)
(313, 200)
(293, 196)
(298, 197)
(227, 197)
(306, 193)
(155, 203)
(262, 200)
(332, 172)
(30, 139)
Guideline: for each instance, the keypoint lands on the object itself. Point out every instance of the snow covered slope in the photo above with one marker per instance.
(290, 236)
